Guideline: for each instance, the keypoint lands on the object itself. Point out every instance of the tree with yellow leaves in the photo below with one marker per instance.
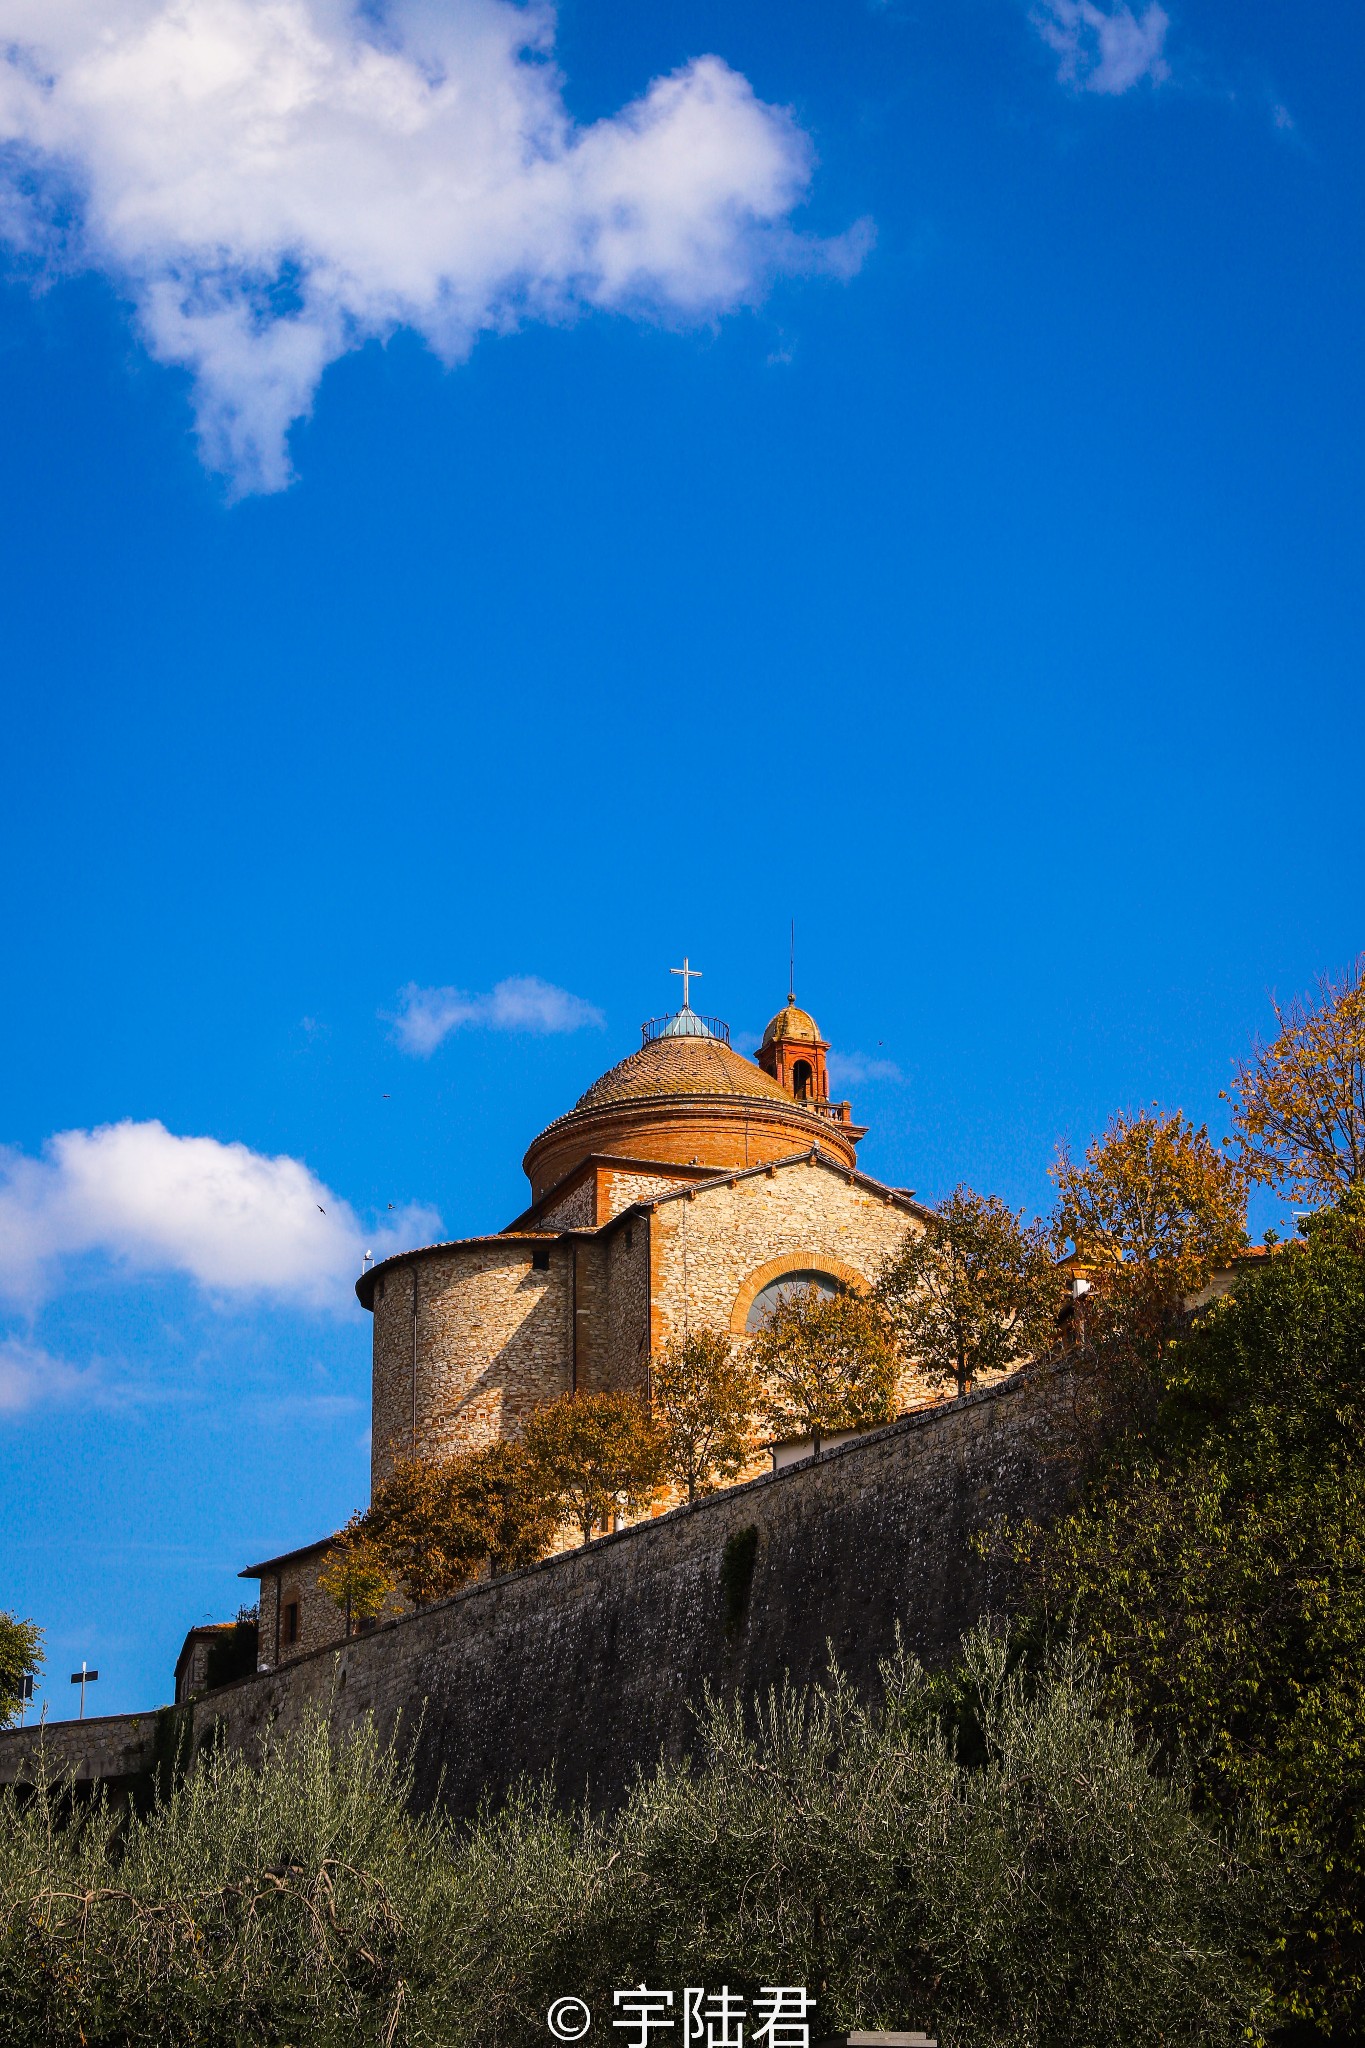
(420, 1524)
(1150, 1213)
(355, 1576)
(975, 1291)
(705, 1394)
(1299, 1102)
(600, 1455)
(828, 1362)
(436, 1521)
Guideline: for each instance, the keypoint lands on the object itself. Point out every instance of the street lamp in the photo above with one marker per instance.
(82, 1678)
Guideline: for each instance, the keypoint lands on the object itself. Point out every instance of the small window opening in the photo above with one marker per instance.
(291, 1621)
(803, 1081)
(540, 1258)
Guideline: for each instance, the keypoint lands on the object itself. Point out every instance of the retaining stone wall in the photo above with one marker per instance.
(590, 1664)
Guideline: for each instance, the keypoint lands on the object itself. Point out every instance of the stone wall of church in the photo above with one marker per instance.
(706, 1247)
(619, 1190)
(622, 1360)
(574, 1210)
(494, 1341)
(593, 1662)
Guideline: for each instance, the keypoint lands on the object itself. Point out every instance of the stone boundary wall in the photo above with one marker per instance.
(592, 1663)
(118, 1751)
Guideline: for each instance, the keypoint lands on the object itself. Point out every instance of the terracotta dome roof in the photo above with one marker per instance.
(791, 1022)
(682, 1066)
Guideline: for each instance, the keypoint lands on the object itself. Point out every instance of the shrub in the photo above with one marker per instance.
(1035, 1882)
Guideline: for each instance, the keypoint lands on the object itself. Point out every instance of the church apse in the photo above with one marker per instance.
(680, 1182)
(468, 1340)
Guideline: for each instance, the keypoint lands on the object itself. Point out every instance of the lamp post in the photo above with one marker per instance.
(82, 1678)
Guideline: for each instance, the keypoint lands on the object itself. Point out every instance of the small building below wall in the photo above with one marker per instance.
(192, 1665)
(296, 1616)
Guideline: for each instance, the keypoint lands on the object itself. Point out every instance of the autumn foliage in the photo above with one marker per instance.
(1299, 1102)
(827, 1362)
(705, 1398)
(435, 1522)
(599, 1455)
(1151, 1212)
(975, 1291)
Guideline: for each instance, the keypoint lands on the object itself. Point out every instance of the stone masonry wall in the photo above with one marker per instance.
(622, 1362)
(117, 1751)
(707, 1247)
(494, 1341)
(619, 1190)
(593, 1662)
(321, 1622)
(575, 1209)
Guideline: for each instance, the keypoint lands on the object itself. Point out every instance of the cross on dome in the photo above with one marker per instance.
(689, 974)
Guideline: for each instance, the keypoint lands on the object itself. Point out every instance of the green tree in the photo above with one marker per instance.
(705, 1393)
(975, 1291)
(828, 1362)
(601, 1455)
(21, 1653)
(1217, 1569)
(1299, 1102)
(234, 1653)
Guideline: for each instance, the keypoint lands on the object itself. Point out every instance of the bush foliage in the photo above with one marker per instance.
(1216, 1570)
(990, 1855)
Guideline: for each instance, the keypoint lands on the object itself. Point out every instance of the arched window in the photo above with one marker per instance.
(803, 1081)
(789, 1283)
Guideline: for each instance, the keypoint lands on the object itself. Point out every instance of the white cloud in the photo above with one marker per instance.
(235, 1221)
(851, 1069)
(271, 182)
(426, 1016)
(30, 1376)
(33, 1377)
(1105, 49)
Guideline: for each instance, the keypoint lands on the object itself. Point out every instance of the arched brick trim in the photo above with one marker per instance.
(795, 1262)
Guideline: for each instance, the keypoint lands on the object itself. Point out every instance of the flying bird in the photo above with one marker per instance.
(321, 1210)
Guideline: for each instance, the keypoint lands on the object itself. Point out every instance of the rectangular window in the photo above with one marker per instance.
(540, 1258)
(291, 1621)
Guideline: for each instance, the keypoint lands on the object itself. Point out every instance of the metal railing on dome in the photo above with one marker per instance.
(711, 1027)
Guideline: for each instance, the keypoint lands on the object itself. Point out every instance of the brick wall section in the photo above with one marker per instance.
(707, 1247)
(494, 1341)
(720, 1132)
(592, 1662)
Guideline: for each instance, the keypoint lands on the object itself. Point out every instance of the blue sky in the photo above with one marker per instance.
(466, 523)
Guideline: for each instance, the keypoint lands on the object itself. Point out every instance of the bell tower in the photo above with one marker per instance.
(793, 1052)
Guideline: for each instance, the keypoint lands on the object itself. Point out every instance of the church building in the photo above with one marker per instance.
(685, 1190)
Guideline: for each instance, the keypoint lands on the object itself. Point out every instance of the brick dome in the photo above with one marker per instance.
(688, 1065)
(684, 1099)
(792, 1022)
